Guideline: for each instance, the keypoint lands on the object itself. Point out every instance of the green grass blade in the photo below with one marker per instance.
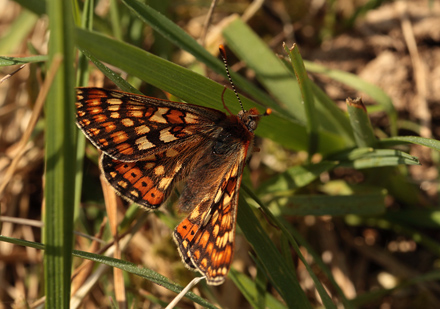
(281, 276)
(248, 289)
(368, 158)
(110, 74)
(401, 140)
(363, 131)
(422, 218)
(307, 96)
(60, 159)
(319, 205)
(6, 61)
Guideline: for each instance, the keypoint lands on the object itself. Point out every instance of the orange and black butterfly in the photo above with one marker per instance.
(149, 144)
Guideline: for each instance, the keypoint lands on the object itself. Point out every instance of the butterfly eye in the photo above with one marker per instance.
(252, 125)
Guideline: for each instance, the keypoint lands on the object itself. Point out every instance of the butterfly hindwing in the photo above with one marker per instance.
(148, 182)
(206, 237)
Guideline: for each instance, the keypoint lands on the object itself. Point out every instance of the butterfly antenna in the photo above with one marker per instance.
(223, 54)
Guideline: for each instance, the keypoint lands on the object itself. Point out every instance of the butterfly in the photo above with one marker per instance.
(149, 144)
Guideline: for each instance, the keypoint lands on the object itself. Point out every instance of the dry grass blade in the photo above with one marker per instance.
(111, 205)
(10, 74)
(184, 291)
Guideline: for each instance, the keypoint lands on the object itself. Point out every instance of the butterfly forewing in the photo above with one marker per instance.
(149, 144)
(128, 127)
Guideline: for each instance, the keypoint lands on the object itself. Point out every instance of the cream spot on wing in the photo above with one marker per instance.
(115, 115)
(127, 122)
(215, 217)
(159, 170)
(218, 196)
(114, 101)
(134, 113)
(165, 182)
(143, 143)
(141, 130)
(215, 230)
(225, 221)
(122, 184)
(95, 110)
(194, 214)
(191, 118)
(218, 242)
(158, 115)
(113, 108)
(166, 137)
(234, 170)
(178, 166)
(231, 237)
(226, 199)
(134, 193)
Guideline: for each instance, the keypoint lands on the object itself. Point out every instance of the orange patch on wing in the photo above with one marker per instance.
(95, 93)
(103, 142)
(231, 186)
(187, 230)
(133, 175)
(175, 116)
(144, 184)
(119, 137)
(154, 197)
(150, 111)
(203, 241)
(228, 254)
(109, 126)
(100, 118)
(125, 149)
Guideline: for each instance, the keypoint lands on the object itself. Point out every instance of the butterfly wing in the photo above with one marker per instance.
(206, 237)
(148, 144)
(149, 182)
(129, 127)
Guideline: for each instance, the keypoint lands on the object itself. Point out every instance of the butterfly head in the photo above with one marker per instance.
(251, 117)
